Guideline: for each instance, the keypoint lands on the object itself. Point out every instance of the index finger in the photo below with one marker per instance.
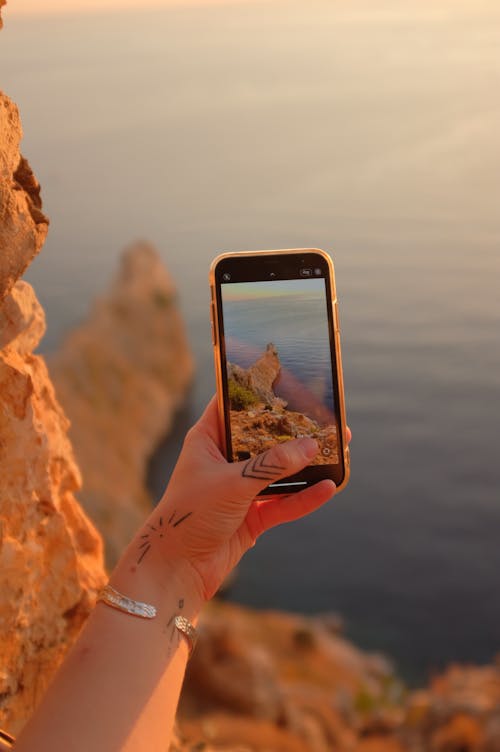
(209, 424)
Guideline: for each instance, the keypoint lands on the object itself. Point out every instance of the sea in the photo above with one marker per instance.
(370, 130)
(296, 324)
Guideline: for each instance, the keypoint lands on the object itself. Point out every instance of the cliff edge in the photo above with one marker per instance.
(51, 559)
(120, 376)
(23, 225)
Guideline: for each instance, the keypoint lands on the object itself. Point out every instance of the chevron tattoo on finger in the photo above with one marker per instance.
(258, 468)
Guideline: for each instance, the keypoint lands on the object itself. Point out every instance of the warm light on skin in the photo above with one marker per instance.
(48, 7)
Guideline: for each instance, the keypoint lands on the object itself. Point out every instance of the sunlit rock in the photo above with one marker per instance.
(120, 377)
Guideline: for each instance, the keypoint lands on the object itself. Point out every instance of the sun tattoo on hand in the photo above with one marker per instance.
(158, 531)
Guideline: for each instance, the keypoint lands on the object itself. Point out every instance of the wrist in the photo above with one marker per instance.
(170, 583)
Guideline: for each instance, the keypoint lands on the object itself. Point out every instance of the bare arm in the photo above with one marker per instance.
(118, 688)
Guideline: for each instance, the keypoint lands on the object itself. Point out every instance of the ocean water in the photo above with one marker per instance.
(296, 324)
(370, 130)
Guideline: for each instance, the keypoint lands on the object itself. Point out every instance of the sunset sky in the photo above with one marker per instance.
(49, 7)
(31, 7)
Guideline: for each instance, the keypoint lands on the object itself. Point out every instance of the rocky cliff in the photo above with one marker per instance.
(120, 377)
(51, 562)
(259, 418)
(260, 377)
(274, 682)
(23, 226)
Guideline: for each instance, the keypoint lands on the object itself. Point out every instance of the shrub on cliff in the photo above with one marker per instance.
(240, 397)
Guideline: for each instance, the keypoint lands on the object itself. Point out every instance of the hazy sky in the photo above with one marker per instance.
(280, 288)
(44, 7)
(29, 7)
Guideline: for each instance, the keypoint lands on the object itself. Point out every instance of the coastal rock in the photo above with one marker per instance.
(260, 419)
(51, 563)
(460, 710)
(22, 320)
(322, 693)
(260, 377)
(259, 428)
(120, 377)
(274, 681)
(23, 226)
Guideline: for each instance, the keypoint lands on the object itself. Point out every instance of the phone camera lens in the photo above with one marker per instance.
(272, 275)
(306, 272)
(226, 277)
(317, 272)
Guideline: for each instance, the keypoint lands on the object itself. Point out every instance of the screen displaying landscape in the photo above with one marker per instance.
(279, 366)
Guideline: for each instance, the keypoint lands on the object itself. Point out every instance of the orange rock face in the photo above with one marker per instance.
(257, 429)
(51, 562)
(275, 681)
(120, 377)
(23, 226)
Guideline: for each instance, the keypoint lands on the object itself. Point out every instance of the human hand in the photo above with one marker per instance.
(209, 515)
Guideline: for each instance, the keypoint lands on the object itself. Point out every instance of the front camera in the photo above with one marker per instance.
(226, 277)
(272, 275)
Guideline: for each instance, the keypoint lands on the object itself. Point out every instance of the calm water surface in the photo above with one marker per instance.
(373, 133)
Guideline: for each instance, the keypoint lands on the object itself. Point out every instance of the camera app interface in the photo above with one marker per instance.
(279, 371)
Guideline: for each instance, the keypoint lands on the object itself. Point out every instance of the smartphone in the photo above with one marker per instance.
(275, 331)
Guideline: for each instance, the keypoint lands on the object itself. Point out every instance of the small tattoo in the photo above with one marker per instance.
(178, 522)
(159, 531)
(257, 467)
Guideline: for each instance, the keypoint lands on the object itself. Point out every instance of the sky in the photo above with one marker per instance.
(280, 288)
(46, 7)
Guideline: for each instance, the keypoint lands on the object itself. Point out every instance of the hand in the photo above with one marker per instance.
(209, 512)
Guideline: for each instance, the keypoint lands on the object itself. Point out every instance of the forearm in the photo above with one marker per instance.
(119, 687)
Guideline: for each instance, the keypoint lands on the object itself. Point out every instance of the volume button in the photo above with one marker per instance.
(336, 316)
(212, 324)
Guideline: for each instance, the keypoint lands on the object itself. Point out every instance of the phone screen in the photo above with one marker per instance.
(279, 363)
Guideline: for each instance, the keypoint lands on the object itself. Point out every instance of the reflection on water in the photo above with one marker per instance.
(367, 128)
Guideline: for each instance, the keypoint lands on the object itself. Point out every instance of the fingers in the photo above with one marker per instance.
(278, 462)
(264, 515)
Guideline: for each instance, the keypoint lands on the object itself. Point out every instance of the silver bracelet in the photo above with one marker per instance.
(117, 600)
(113, 598)
(6, 740)
(187, 629)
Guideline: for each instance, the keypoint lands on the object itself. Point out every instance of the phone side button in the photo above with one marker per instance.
(212, 327)
(336, 316)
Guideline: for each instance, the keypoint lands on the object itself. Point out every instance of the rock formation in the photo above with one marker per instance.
(260, 377)
(265, 681)
(50, 555)
(120, 377)
(257, 429)
(260, 419)
(23, 226)
(51, 562)
(275, 681)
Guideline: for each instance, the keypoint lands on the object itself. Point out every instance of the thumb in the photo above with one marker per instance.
(278, 462)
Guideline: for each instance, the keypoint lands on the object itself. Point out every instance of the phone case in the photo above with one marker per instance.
(214, 318)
